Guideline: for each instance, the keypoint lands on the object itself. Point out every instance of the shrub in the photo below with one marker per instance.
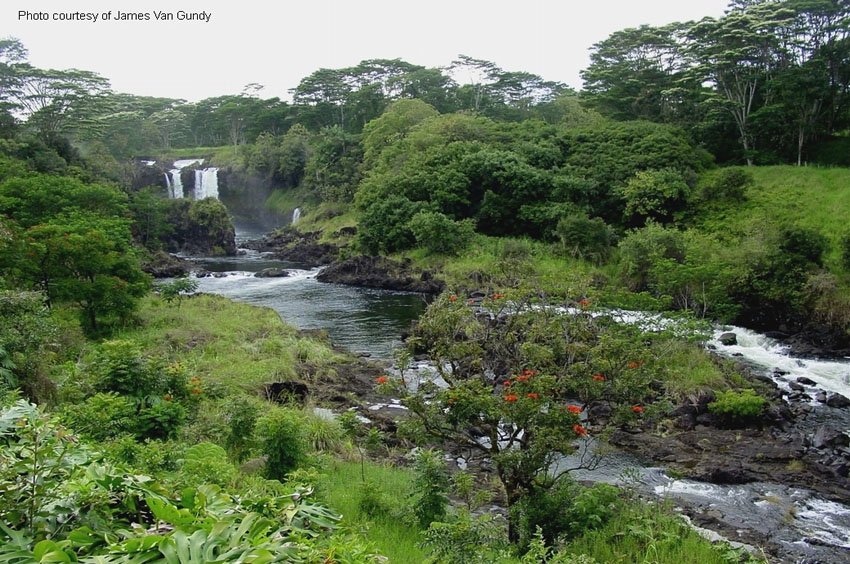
(582, 237)
(241, 414)
(437, 233)
(373, 503)
(120, 367)
(564, 510)
(281, 434)
(161, 419)
(102, 417)
(641, 249)
(174, 290)
(726, 184)
(737, 405)
(207, 463)
(654, 194)
(430, 489)
(385, 225)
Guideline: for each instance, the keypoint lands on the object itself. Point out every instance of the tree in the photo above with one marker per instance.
(736, 55)
(517, 385)
(392, 126)
(87, 260)
(636, 73)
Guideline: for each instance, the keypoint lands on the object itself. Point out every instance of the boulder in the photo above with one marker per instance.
(837, 400)
(728, 339)
(272, 273)
(829, 437)
(380, 272)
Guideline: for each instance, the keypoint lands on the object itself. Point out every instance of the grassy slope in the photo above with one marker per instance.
(811, 197)
(224, 342)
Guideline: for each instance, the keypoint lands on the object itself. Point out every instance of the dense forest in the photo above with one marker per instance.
(699, 172)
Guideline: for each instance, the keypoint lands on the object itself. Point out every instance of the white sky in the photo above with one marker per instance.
(276, 43)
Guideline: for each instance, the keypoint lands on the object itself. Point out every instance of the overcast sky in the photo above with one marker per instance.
(279, 43)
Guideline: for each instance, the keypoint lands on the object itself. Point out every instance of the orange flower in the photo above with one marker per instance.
(579, 430)
(523, 378)
(598, 377)
(497, 296)
(529, 372)
(584, 302)
(506, 383)
(453, 298)
(637, 409)
(532, 395)
(381, 380)
(574, 409)
(511, 397)
(634, 364)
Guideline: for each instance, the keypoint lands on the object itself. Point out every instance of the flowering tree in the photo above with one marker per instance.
(520, 378)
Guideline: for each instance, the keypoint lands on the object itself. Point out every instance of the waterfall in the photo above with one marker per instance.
(296, 216)
(206, 183)
(168, 186)
(175, 186)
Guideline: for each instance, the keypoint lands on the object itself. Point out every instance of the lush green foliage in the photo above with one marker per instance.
(737, 405)
(282, 441)
(77, 508)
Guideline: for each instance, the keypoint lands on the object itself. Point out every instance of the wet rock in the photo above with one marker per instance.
(780, 372)
(379, 272)
(796, 387)
(164, 265)
(821, 397)
(829, 437)
(728, 339)
(272, 273)
(220, 274)
(837, 400)
(806, 381)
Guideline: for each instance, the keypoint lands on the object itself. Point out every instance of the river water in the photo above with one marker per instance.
(362, 320)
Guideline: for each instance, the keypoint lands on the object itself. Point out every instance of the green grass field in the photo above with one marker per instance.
(812, 197)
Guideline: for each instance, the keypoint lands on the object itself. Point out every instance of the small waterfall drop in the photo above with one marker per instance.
(175, 185)
(206, 183)
(296, 216)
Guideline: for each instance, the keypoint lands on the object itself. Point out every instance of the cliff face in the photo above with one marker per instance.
(201, 227)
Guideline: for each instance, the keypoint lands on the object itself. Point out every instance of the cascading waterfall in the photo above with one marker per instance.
(174, 182)
(175, 186)
(206, 183)
(296, 216)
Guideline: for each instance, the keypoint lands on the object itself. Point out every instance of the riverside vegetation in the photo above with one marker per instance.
(140, 426)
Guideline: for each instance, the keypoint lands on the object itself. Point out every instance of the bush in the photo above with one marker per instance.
(161, 419)
(430, 489)
(564, 510)
(738, 405)
(241, 414)
(207, 463)
(281, 434)
(102, 416)
(582, 237)
(437, 233)
(385, 225)
(641, 249)
(373, 503)
(654, 194)
(728, 184)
